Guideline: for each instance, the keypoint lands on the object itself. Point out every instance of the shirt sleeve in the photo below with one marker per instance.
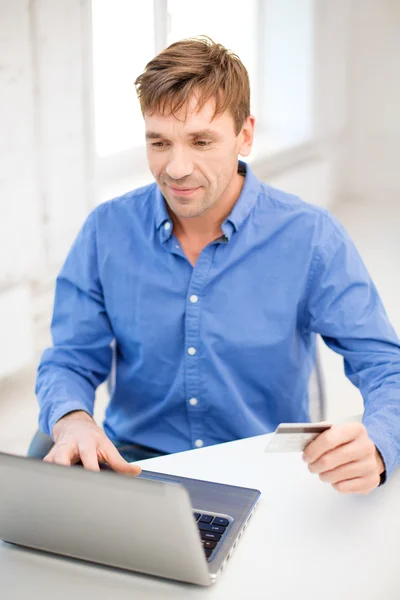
(80, 358)
(343, 305)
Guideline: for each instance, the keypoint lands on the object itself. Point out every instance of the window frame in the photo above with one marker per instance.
(129, 167)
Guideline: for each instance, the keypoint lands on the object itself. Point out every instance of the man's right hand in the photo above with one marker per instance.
(78, 438)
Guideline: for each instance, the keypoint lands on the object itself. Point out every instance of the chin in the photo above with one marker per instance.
(188, 214)
(186, 208)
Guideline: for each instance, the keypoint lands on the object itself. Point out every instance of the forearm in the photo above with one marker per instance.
(378, 378)
(373, 365)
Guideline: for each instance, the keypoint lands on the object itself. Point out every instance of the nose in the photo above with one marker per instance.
(179, 165)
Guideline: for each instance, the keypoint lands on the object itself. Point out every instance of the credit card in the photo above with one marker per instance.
(294, 437)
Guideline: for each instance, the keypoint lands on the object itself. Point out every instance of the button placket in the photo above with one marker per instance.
(195, 404)
(175, 247)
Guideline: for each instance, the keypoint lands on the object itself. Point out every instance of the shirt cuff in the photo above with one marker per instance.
(46, 423)
(386, 447)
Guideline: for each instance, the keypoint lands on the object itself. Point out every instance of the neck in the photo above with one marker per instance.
(208, 225)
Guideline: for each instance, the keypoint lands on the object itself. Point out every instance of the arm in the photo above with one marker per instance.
(80, 359)
(343, 305)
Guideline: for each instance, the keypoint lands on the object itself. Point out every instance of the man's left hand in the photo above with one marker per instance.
(347, 458)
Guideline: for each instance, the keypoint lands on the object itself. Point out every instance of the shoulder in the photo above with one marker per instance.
(315, 221)
(283, 201)
(134, 201)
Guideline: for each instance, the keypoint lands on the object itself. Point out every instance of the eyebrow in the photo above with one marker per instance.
(153, 135)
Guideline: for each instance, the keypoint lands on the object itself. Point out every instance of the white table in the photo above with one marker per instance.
(304, 541)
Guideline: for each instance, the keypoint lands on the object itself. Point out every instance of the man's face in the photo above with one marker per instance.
(194, 159)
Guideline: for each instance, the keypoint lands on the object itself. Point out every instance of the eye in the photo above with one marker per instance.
(202, 143)
(157, 144)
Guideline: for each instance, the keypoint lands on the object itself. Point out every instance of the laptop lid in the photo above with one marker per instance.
(107, 518)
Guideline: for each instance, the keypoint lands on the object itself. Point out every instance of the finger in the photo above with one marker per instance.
(118, 463)
(88, 455)
(339, 456)
(48, 458)
(62, 455)
(352, 470)
(334, 437)
(359, 485)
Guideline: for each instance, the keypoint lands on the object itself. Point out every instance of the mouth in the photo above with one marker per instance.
(183, 191)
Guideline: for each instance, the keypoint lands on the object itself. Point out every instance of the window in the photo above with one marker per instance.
(273, 38)
(288, 63)
(123, 43)
(229, 23)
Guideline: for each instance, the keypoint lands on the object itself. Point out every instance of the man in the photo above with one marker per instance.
(213, 286)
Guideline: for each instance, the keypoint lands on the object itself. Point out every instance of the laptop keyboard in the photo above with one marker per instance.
(211, 530)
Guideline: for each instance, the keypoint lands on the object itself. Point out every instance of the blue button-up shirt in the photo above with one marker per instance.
(222, 350)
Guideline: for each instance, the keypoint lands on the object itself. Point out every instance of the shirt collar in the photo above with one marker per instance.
(162, 215)
(246, 201)
(238, 215)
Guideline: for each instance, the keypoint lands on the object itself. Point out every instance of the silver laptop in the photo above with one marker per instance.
(174, 527)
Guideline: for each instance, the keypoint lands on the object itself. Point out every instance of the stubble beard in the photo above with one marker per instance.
(185, 207)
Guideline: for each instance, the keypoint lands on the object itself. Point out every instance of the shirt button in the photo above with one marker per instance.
(193, 401)
(199, 443)
(167, 226)
(194, 299)
(192, 351)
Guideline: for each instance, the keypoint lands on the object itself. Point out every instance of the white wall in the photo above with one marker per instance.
(63, 79)
(20, 203)
(311, 170)
(21, 232)
(370, 165)
(45, 159)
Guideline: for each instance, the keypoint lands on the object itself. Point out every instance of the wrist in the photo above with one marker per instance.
(379, 460)
(73, 416)
(381, 467)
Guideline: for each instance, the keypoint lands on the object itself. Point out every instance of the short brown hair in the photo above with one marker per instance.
(196, 64)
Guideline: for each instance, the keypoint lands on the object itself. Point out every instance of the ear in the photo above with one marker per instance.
(247, 136)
